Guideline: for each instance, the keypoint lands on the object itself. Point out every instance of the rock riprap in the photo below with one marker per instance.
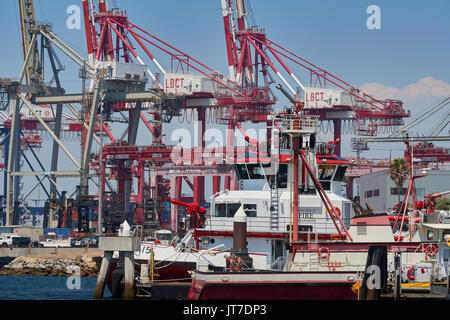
(59, 267)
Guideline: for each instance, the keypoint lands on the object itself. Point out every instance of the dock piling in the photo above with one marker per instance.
(448, 282)
(104, 270)
(126, 245)
(376, 257)
(129, 276)
(398, 275)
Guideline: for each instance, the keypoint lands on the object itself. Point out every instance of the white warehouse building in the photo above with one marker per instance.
(381, 193)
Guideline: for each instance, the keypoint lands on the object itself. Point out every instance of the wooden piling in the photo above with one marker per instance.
(376, 256)
(448, 283)
(104, 269)
(129, 276)
(126, 246)
(398, 275)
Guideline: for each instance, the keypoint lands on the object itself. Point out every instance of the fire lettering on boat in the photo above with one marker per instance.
(308, 213)
(200, 310)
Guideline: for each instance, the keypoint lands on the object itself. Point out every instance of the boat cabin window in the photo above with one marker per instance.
(340, 173)
(226, 209)
(247, 171)
(221, 210)
(282, 177)
(232, 208)
(326, 172)
(229, 209)
(241, 171)
(256, 171)
(250, 210)
(446, 235)
(163, 235)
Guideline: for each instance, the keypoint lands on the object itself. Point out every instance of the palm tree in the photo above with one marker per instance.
(398, 171)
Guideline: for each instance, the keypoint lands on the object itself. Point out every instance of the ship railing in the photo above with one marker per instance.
(422, 247)
(306, 124)
(137, 231)
(318, 225)
(203, 265)
(278, 263)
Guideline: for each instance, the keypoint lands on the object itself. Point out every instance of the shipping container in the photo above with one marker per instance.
(35, 233)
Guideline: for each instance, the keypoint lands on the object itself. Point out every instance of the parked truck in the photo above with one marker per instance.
(6, 240)
(14, 240)
(21, 242)
(53, 242)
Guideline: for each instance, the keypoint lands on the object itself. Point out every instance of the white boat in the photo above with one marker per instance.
(270, 219)
(270, 215)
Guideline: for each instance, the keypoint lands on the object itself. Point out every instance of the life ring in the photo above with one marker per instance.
(431, 250)
(411, 273)
(337, 210)
(323, 253)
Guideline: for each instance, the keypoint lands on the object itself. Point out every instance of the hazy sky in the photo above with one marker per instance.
(408, 58)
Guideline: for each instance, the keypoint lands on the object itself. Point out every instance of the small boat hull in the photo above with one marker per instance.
(273, 286)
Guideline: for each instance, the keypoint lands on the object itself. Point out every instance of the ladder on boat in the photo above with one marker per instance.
(274, 195)
(274, 203)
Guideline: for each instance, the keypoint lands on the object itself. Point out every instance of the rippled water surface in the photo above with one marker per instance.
(47, 288)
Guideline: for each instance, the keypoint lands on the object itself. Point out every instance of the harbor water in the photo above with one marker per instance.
(47, 288)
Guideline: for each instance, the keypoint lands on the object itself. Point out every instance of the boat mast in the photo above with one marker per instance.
(298, 125)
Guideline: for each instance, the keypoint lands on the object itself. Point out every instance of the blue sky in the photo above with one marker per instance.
(412, 43)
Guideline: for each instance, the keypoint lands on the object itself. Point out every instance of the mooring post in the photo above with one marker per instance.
(379, 260)
(240, 239)
(398, 275)
(376, 264)
(125, 245)
(104, 269)
(448, 281)
(129, 275)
